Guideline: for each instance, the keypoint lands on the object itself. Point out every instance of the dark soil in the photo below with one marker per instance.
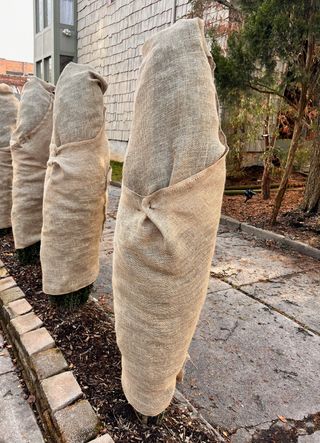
(288, 430)
(87, 339)
(292, 222)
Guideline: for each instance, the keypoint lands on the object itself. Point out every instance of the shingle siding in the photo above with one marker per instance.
(110, 37)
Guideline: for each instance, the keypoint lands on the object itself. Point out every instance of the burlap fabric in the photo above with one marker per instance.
(168, 215)
(30, 144)
(75, 185)
(8, 116)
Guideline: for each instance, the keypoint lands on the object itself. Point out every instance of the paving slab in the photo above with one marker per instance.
(215, 284)
(6, 283)
(250, 364)
(103, 284)
(103, 439)
(61, 390)
(297, 295)
(314, 438)
(3, 272)
(10, 295)
(36, 341)
(6, 364)
(48, 363)
(240, 261)
(17, 421)
(25, 323)
(19, 307)
(77, 423)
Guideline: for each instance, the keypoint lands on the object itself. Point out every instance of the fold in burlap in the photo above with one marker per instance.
(75, 185)
(30, 144)
(8, 115)
(168, 214)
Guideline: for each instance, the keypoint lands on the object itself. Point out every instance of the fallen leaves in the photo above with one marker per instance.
(282, 418)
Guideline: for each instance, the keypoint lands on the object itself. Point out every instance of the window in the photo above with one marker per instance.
(48, 13)
(43, 14)
(39, 15)
(48, 69)
(39, 69)
(66, 12)
(64, 60)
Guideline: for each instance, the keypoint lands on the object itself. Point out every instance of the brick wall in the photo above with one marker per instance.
(13, 67)
(110, 36)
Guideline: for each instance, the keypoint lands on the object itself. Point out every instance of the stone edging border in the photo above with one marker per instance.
(65, 414)
(263, 234)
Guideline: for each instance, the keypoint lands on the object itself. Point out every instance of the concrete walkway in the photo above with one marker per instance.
(17, 422)
(255, 357)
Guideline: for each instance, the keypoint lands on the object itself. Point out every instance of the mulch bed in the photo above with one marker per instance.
(292, 222)
(87, 339)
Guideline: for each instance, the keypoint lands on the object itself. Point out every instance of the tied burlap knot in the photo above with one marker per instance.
(75, 185)
(30, 144)
(168, 215)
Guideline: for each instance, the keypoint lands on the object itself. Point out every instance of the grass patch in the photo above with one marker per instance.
(116, 171)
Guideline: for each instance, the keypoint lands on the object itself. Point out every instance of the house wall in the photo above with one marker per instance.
(110, 37)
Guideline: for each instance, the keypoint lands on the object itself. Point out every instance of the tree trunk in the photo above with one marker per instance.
(311, 201)
(266, 177)
(305, 88)
(271, 128)
(288, 169)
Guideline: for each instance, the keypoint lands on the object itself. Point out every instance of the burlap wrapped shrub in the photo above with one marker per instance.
(30, 144)
(8, 115)
(168, 216)
(75, 185)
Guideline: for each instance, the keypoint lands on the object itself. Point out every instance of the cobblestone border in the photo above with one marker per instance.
(263, 234)
(60, 402)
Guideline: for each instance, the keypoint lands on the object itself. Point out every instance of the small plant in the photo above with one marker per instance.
(29, 255)
(71, 301)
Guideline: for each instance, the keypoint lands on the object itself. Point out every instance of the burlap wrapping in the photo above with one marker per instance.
(8, 116)
(75, 185)
(168, 214)
(30, 152)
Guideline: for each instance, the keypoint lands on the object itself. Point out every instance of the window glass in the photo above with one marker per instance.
(48, 13)
(66, 12)
(39, 15)
(48, 69)
(39, 69)
(64, 60)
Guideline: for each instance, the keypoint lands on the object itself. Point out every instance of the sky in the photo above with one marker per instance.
(16, 30)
